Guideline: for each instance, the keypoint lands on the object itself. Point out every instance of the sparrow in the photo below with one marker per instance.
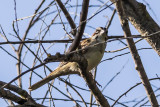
(96, 46)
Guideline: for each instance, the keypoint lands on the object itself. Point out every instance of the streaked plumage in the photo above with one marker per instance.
(93, 54)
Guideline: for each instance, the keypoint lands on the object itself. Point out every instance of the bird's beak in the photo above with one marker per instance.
(106, 30)
(103, 28)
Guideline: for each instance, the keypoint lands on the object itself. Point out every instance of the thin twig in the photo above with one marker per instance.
(82, 25)
(67, 15)
(138, 63)
(125, 93)
(110, 21)
(23, 74)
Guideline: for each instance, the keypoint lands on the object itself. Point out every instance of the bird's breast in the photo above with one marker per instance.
(93, 57)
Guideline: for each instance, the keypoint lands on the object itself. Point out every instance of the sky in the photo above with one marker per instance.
(123, 65)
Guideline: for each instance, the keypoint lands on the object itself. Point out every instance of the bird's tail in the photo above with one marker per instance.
(40, 83)
(60, 71)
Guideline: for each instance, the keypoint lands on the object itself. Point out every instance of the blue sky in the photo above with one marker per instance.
(128, 75)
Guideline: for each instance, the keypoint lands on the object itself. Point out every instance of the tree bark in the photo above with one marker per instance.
(138, 63)
(137, 14)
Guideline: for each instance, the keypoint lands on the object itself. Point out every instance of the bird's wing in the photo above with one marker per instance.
(85, 43)
(69, 68)
(64, 68)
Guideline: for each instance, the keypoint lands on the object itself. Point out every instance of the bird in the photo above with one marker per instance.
(96, 47)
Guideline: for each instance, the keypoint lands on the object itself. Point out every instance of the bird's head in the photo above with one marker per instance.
(100, 34)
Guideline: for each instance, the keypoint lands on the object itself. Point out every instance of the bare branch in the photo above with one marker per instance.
(138, 63)
(26, 99)
(82, 24)
(92, 85)
(8, 95)
(125, 93)
(6, 85)
(110, 21)
(67, 15)
(18, 90)
(86, 75)
(137, 14)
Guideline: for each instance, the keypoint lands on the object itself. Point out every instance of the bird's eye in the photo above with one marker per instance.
(97, 31)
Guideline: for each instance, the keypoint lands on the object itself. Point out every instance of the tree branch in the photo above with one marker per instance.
(87, 76)
(73, 57)
(26, 99)
(81, 28)
(138, 63)
(8, 95)
(67, 15)
(137, 14)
